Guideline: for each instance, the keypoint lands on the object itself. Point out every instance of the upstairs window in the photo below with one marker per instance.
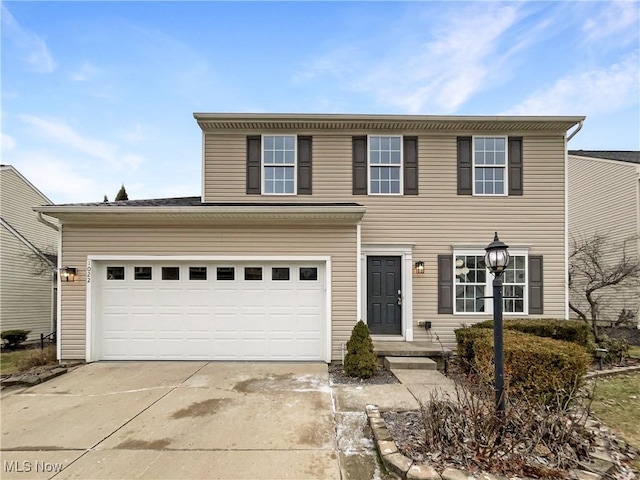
(279, 164)
(385, 165)
(489, 165)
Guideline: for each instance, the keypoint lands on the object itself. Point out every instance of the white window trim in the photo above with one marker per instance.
(506, 166)
(263, 165)
(401, 166)
(488, 289)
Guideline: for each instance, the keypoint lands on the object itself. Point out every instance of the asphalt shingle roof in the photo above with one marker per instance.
(197, 202)
(632, 156)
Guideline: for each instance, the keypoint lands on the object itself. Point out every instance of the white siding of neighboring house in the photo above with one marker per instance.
(604, 198)
(26, 299)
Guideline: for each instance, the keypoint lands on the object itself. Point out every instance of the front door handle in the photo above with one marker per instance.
(399, 297)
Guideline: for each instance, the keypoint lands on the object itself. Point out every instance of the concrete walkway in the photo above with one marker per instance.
(198, 420)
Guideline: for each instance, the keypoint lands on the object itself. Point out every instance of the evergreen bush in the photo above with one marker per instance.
(360, 360)
(13, 338)
(536, 368)
(568, 330)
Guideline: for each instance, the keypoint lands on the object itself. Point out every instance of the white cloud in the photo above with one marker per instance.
(31, 48)
(619, 19)
(137, 134)
(436, 70)
(85, 73)
(7, 142)
(58, 132)
(56, 178)
(591, 92)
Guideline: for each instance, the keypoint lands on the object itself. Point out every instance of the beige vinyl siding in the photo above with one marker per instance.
(17, 199)
(25, 299)
(604, 198)
(339, 243)
(434, 220)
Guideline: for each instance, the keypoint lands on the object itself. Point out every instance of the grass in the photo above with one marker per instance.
(616, 401)
(22, 360)
(634, 351)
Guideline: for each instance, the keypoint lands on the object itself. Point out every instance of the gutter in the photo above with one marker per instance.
(41, 219)
(578, 128)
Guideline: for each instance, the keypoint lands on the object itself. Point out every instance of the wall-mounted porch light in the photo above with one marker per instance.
(68, 274)
(419, 267)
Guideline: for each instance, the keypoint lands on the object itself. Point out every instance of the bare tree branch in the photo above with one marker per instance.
(598, 269)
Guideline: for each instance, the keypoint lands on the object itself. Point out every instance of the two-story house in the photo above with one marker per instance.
(28, 252)
(308, 223)
(604, 200)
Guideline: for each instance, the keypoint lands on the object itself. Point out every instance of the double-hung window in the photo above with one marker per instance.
(385, 165)
(490, 166)
(279, 164)
(473, 281)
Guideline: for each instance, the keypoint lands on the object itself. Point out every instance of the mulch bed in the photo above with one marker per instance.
(381, 377)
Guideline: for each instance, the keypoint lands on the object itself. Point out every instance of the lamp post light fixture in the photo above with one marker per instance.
(497, 259)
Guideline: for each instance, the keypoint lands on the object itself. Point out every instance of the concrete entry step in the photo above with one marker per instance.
(412, 363)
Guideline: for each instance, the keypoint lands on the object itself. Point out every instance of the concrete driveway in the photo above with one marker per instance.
(168, 420)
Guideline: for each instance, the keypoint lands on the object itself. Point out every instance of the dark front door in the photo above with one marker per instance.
(384, 295)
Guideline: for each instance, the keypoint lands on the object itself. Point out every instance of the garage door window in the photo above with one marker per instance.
(279, 273)
(308, 273)
(226, 273)
(253, 273)
(197, 273)
(115, 273)
(142, 273)
(170, 273)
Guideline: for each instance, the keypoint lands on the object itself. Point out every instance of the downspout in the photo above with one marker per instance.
(567, 293)
(57, 290)
(41, 219)
(578, 128)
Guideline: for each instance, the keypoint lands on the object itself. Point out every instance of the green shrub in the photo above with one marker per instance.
(536, 368)
(573, 331)
(617, 349)
(360, 360)
(13, 338)
(466, 338)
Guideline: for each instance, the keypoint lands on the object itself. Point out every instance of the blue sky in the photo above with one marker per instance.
(96, 94)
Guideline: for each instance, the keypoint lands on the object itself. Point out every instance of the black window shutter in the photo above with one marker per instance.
(254, 156)
(515, 165)
(536, 292)
(410, 153)
(465, 176)
(445, 283)
(359, 166)
(304, 165)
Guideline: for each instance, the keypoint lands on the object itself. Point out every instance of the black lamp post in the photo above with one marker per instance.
(497, 259)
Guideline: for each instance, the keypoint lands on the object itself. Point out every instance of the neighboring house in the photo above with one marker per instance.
(27, 258)
(310, 222)
(604, 199)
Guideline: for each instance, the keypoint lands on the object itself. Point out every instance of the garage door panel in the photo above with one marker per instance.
(212, 318)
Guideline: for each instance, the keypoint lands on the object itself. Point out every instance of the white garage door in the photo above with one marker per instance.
(194, 310)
